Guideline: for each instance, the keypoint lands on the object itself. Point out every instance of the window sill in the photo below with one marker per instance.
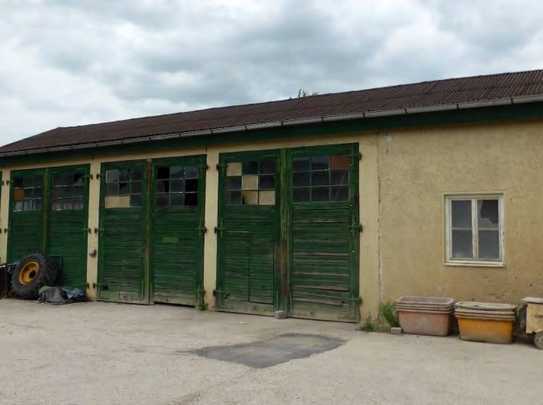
(467, 263)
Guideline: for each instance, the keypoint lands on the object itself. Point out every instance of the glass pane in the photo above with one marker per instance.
(163, 186)
(266, 197)
(302, 179)
(267, 166)
(339, 177)
(112, 188)
(301, 165)
(233, 183)
(320, 194)
(123, 175)
(135, 187)
(123, 188)
(18, 181)
(340, 193)
(112, 176)
(191, 185)
(233, 169)
(177, 186)
(461, 213)
(488, 214)
(319, 163)
(319, 179)
(250, 167)
(249, 182)
(136, 174)
(301, 194)
(162, 172)
(266, 182)
(191, 199)
(489, 245)
(177, 172)
(462, 247)
(250, 197)
(191, 172)
(340, 162)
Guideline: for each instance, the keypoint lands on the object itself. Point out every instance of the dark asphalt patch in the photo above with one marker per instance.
(270, 352)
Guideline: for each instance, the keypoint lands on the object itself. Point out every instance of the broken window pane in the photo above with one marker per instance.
(488, 214)
(462, 244)
(123, 188)
(461, 214)
(489, 245)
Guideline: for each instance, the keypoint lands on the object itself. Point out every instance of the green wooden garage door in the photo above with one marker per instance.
(177, 230)
(49, 214)
(295, 248)
(248, 232)
(151, 231)
(323, 233)
(123, 227)
(68, 222)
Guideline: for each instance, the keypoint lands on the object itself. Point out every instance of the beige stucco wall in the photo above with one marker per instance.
(404, 175)
(416, 169)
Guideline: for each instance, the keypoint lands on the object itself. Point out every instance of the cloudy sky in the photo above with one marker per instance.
(69, 62)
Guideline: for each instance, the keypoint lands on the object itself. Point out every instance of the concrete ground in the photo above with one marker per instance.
(98, 353)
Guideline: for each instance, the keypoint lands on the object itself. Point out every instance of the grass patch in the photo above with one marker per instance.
(387, 312)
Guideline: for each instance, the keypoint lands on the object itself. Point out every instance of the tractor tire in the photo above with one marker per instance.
(31, 274)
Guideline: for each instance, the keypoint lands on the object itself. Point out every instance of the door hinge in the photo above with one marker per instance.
(202, 229)
(218, 229)
(357, 228)
(359, 156)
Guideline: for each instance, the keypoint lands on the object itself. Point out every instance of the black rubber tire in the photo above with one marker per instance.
(46, 275)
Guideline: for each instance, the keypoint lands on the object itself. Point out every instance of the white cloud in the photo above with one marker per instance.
(67, 63)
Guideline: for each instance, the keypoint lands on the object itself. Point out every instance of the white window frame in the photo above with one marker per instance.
(474, 198)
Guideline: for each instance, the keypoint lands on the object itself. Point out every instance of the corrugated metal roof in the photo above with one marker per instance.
(430, 94)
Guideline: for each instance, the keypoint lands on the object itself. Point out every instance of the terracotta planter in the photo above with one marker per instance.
(425, 323)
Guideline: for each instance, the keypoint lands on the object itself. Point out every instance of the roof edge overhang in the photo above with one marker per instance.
(500, 102)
